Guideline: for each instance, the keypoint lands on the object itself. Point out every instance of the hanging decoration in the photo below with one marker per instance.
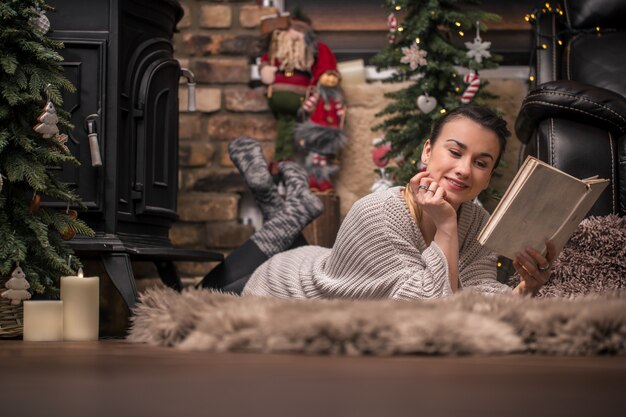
(69, 233)
(35, 204)
(392, 24)
(478, 49)
(473, 81)
(426, 103)
(47, 126)
(40, 23)
(48, 119)
(414, 56)
(380, 156)
(17, 287)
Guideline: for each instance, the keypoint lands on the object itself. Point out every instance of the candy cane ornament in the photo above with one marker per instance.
(392, 24)
(473, 80)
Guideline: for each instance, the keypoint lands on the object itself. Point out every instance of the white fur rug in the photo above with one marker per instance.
(464, 324)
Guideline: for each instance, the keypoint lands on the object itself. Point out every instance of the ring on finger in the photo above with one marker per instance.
(422, 187)
(543, 268)
(432, 191)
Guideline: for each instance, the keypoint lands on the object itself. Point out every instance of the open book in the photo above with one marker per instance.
(541, 202)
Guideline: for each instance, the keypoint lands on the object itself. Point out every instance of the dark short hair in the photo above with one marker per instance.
(485, 117)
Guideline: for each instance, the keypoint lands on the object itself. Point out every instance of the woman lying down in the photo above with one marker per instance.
(412, 242)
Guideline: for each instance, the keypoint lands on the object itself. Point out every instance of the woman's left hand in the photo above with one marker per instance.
(534, 269)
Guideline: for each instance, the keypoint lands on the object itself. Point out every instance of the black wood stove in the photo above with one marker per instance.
(119, 55)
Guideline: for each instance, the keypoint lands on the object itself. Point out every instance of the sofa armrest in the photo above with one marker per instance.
(571, 100)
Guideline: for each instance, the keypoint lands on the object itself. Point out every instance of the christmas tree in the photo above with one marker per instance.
(423, 53)
(31, 80)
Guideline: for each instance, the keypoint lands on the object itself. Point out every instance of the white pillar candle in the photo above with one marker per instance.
(81, 298)
(43, 321)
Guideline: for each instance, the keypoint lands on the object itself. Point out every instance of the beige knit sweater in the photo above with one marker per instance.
(380, 253)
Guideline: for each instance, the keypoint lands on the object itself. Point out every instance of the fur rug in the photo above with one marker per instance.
(581, 312)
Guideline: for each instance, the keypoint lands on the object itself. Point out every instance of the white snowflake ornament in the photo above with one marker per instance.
(414, 56)
(478, 49)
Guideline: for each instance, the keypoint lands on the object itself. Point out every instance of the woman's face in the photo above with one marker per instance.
(462, 159)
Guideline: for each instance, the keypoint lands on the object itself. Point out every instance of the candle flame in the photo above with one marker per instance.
(80, 272)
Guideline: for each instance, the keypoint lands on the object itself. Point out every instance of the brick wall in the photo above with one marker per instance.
(216, 41)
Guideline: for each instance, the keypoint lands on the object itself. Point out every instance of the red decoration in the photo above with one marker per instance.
(473, 80)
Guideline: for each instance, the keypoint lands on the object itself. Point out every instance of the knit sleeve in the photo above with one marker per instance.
(428, 280)
(421, 274)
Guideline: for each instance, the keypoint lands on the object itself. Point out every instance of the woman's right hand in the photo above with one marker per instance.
(426, 193)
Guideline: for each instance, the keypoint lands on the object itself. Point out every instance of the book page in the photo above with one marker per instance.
(538, 209)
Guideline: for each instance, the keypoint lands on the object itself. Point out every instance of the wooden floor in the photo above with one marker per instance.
(118, 379)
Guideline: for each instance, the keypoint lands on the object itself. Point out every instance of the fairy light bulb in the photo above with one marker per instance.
(461, 33)
(458, 24)
(442, 111)
(531, 78)
(527, 18)
(417, 40)
(398, 7)
(597, 28)
(544, 46)
(560, 42)
(400, 29)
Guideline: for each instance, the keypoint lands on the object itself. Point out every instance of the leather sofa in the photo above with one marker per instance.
(574, 116)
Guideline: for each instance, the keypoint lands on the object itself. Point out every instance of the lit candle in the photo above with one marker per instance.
(43, 321)
(81, 297)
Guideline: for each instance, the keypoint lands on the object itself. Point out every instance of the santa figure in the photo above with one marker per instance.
(321, 136)
(294, 62)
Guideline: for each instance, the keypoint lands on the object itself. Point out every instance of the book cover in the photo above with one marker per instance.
(541, 203)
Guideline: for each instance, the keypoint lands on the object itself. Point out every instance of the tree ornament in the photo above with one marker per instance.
(392, 24)
(414, 56)
(473, 80)
(426, 103)
(47, 126)
(69, 234)
(61, 140)
(380, 156)
(40, 23)
(478, 49)
(35, 203)
(17, 287)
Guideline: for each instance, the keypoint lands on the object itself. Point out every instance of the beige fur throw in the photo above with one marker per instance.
(464, 324)
(581, 312)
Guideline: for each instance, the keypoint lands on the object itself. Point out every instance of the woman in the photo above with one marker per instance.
(408, 242)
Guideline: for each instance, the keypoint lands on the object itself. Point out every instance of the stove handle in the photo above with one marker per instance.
(94, 146)
(191, 88)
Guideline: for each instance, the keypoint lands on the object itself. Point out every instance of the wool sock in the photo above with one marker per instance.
(247, 156)
(300, 208)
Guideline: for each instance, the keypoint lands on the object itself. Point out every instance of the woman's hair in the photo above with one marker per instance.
(481, 115)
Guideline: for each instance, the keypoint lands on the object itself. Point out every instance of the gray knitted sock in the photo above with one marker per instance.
(247, 156)
(299, 209)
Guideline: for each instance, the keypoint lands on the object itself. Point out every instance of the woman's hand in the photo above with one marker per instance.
(426, 193)
(534, 269)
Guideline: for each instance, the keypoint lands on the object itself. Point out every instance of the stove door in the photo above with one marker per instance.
(156, 124)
